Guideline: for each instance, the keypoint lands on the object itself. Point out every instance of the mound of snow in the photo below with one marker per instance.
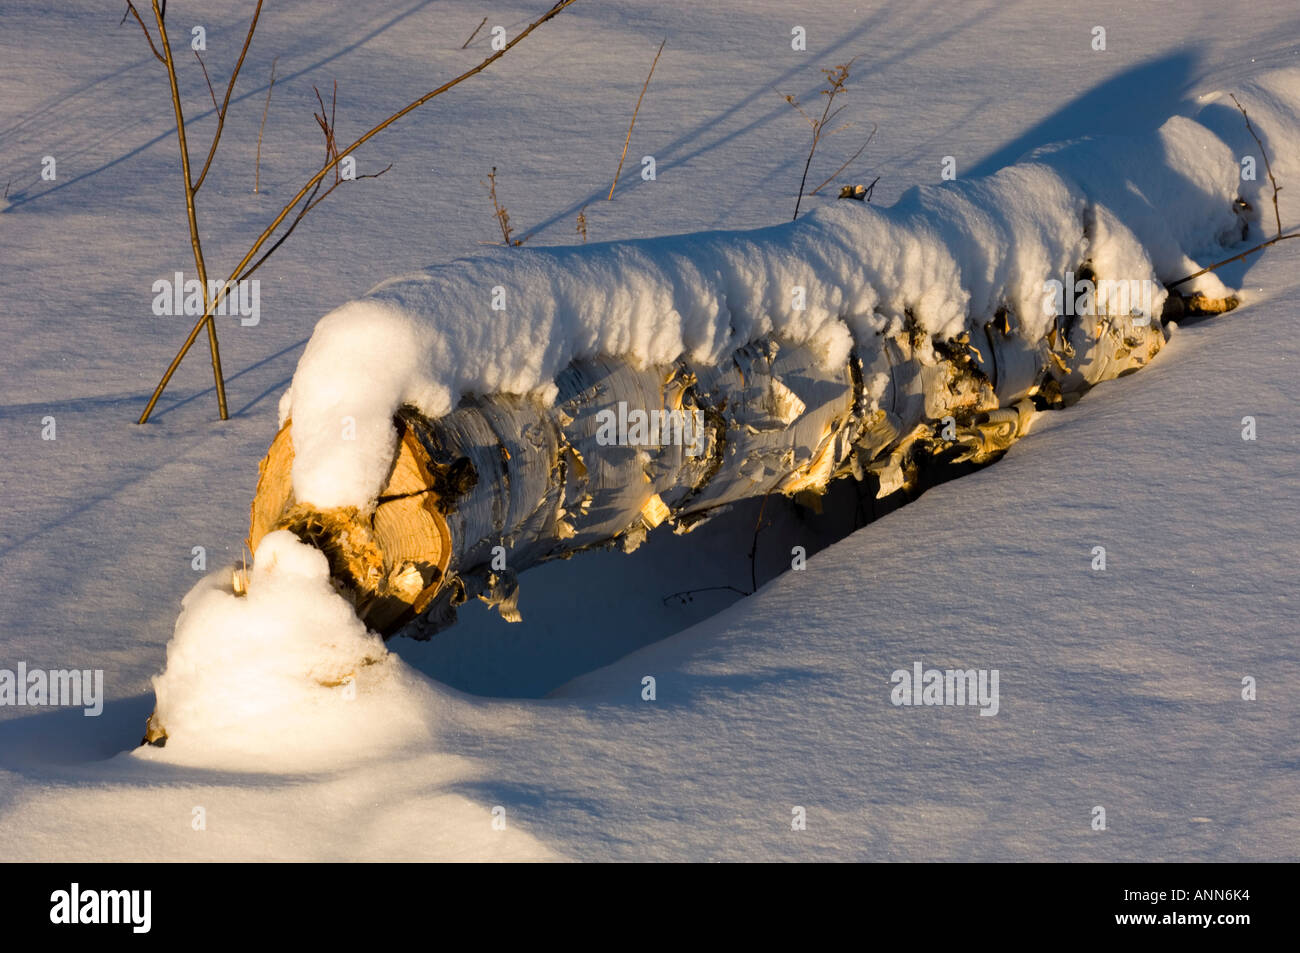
(286, 672)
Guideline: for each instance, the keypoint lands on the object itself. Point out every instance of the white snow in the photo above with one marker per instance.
(1118, 688)
(278, 672)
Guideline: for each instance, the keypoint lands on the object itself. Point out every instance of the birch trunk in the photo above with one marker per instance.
(503, 483)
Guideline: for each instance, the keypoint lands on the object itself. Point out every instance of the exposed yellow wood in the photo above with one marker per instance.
(393, 558)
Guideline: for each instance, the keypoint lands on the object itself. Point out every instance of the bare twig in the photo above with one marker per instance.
(795, 103)
(628, 140)
(191, 214)
(316, 196)
(753, 549)
(474, 34)
(831, 118)
(847, 163)
(502, 217)
(327, 127)
(257, 167)
(1277, 215)
(686, 595)
(211, 92)
(582, 223)
(1228, 261)
(230, 88)
(836, 77)
(315, 180)
(131, 11)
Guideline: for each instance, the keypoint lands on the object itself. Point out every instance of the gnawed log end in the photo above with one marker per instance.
(389, 561)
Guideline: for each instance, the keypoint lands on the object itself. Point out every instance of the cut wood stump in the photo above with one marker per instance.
(390, 561)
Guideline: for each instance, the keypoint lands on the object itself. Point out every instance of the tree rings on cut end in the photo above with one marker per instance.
(389, 560)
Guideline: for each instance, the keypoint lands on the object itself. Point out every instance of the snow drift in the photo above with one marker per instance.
(285, 670)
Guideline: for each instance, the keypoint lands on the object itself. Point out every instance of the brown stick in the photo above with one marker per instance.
(230, 88)
(211, 92)
(835, 78)
(1228, 261)
(846, 164)
(1267, 168)
(315, 180)
(257, 167)
(474, 34)
(131, 11)
(191, 213)
(633, 122)
(502, 217)
(327, 125)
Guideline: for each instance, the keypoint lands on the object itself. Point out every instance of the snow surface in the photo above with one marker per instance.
(1118, 688)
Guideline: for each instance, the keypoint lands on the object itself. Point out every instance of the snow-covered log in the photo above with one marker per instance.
(457, 426)
(505, 482)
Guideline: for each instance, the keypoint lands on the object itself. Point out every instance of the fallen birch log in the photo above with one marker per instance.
(525, 405)
(612, 389)
(504, 483)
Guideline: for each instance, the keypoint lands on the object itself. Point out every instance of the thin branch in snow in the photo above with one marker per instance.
(628, 140)
(1277, 216)
(191, 213)
(206, 79)
(836, 78)
(1228, 261)
(327, 128)
(501, 215)
(474, 34)
(759, 525)
(230, 88)
(332, 157)
(192, 185)
(131, 11)
(848, 162)
(257, 166)
(688, 595)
